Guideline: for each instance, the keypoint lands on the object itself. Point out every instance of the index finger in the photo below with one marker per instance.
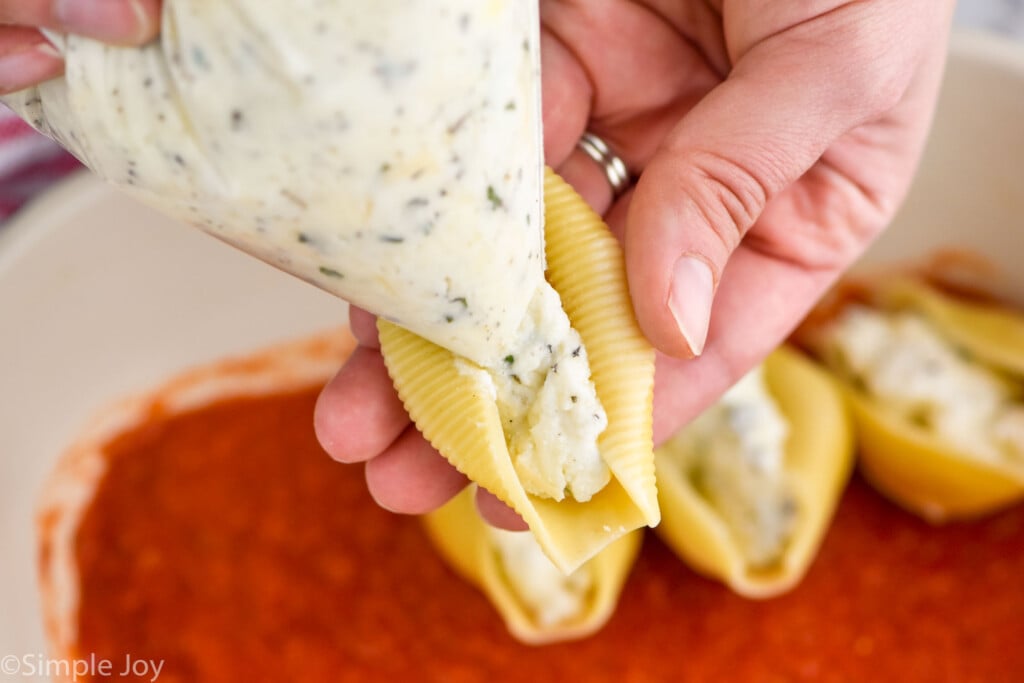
(566, 97)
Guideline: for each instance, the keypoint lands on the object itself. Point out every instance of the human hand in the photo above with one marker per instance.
(774, 141)
(26, 58)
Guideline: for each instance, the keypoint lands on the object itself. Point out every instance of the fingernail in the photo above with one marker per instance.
(689, 299)
(117, 21)
(21, 69)
(48, 50)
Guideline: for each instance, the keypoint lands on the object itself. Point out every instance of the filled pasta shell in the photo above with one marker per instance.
(817, 462)
(469, 546)
(455, 409)
(927, 473)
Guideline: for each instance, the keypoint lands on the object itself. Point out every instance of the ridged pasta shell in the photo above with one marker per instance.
(462, 539)
(908, 463)
(453, 411)
(818, 460)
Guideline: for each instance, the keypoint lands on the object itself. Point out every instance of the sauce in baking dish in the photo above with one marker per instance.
(226, 543)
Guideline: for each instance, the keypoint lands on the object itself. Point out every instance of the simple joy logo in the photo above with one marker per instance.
(81, 668)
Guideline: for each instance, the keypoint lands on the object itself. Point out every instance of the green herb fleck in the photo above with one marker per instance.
(493, 198)
(330, 272)
(385, 167)
(573, 398)
(199, 58)
(461, 300)
(510, 106)
(510, 359)
(303, 238)
(449, 318)
(392, 239)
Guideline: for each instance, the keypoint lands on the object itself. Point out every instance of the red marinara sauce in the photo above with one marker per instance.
(226, 543)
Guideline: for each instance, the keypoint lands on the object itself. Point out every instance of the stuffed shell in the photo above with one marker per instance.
(935, 385)
(561, 429)
(538, 602)
(748, 488)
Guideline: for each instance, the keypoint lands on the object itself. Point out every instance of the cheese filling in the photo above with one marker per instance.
(550, 412)
(550, 596)
(734, 453)
(904, 363)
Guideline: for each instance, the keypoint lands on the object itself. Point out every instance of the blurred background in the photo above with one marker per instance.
(1001, 16)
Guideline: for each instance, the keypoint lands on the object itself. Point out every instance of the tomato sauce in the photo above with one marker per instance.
(226, 543)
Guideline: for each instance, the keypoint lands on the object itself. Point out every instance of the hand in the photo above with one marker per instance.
(26, 58)
(774, 141)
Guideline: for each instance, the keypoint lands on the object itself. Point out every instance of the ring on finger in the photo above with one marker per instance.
(615, 169)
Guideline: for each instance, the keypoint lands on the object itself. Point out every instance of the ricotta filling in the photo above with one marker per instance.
(550, 597)
(734, 453)
(549, 409)
(904, 363)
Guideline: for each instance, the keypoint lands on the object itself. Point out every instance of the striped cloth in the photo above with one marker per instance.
(29, 163)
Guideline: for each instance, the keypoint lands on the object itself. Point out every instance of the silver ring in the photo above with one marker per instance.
(614, 167)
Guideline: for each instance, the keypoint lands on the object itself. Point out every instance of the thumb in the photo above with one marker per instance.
(783, 104)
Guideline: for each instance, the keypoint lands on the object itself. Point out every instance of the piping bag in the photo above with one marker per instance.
(388, 152)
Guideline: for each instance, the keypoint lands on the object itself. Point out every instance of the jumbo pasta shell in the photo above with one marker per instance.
(452, 406)
(818, 460)
(908, 463)
(462, 538)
